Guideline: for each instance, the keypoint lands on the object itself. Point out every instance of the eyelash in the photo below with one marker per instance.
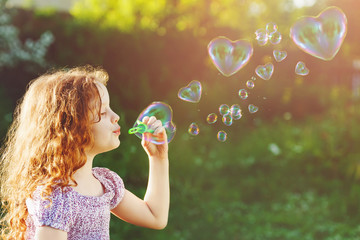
(103, 113)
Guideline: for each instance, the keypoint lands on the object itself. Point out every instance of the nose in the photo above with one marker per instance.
(116, 118)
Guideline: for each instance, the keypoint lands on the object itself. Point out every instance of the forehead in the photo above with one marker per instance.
(104, 95)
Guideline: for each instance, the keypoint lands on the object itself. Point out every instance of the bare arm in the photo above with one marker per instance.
(45, 233)
(153, 210)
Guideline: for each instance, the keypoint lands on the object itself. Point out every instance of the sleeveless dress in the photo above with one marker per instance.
(82, 217)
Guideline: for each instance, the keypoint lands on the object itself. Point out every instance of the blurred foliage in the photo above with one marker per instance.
(13, 51)
(290, 171)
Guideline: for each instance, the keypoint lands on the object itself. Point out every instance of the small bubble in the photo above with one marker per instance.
(250, 84)
(243, 94)
(222, 136)
(211, 118)
(224, 109)
(227, 119)
(275, 38)
(301, 69)
(252, 108)
(271, 27)
(235, 112)
(194, 129)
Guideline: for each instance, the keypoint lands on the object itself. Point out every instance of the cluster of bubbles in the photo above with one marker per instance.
(269, 34)
(320, 36)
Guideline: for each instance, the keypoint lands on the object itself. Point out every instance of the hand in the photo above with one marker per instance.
(154, 150)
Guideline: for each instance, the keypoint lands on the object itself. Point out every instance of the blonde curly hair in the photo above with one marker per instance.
(47, 139)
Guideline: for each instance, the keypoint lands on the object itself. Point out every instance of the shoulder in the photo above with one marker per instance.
(112, 182)
(55, 210)
(106, 176)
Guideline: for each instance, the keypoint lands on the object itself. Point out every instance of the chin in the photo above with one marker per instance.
(116, 145)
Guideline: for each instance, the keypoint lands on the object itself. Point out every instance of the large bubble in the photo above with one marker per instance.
(229, 56)
(321, 36)
(162, 112)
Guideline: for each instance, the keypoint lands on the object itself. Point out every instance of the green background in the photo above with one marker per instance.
(289, 171)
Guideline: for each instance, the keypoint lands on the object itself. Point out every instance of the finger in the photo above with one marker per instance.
(159, 130)
(145, 119)
(161, 135)
(152, 119)
(156, 125)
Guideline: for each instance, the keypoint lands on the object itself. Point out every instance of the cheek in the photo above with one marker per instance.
(97, 130)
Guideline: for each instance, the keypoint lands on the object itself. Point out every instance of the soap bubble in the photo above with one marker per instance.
(321, 36)
(275, 38)
(243, 94)
(222, 136)
(229, 56)
(224, 109)
(161, 111)
(191, 93)
(194, 129)
(227, 119)
(252, 108)
(261, 37)
(211, 118)
(279, 55)
(235, 112)
(301, 69)
(271, 28)
(250, 84)
(265, 71)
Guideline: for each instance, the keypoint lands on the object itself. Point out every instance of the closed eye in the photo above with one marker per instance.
(103, 113)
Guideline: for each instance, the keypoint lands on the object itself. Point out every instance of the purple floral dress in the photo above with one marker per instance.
(82, 217)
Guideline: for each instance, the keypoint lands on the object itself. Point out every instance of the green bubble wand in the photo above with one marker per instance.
(140, 128)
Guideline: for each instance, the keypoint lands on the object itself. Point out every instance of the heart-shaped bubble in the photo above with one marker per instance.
(301, 69)
(229, 56)
(252, 108)
(265, 71)
(191, 93)
(279, 55)
(321, 36)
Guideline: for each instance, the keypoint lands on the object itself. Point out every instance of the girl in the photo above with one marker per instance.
(49, 189)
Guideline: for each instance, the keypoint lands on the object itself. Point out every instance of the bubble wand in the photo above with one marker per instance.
(140, 128)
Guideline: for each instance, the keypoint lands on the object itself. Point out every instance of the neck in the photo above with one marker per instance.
(85, 172)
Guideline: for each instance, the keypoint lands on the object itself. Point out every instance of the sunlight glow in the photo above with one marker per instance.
(304, 3)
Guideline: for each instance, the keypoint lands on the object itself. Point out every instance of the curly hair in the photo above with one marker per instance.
(47, 139)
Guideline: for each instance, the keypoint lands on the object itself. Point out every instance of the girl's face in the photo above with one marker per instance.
(106, 131)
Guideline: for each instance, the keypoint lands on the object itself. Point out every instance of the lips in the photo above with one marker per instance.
(117, 132)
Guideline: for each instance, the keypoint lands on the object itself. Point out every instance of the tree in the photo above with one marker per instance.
(13, 50)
